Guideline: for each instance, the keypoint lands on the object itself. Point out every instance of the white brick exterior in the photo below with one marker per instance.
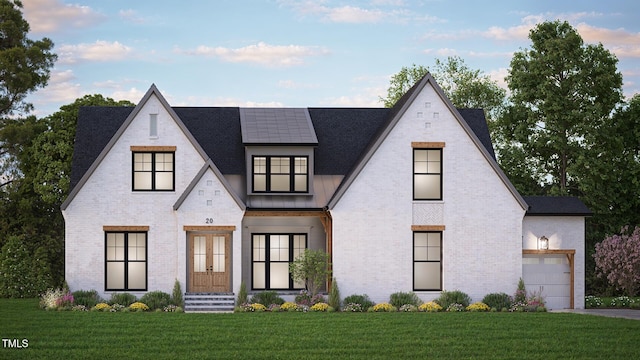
(373, 240)
(107, 199)
(485, 227)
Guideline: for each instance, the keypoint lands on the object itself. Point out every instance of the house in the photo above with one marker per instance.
(403, 199)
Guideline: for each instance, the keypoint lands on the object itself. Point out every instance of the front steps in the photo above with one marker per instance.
(209, 302)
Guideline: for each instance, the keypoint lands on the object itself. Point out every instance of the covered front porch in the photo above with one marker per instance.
(271, 240)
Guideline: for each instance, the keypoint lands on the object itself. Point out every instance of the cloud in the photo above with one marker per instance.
(290, 84)
(62, 88)
(499, 76)
(47, 16)
(96, 52)
(623, 43)
(131, 16)
(261, 53)
(132, 94)
(445, 52)
(384, 11)
(365, 100)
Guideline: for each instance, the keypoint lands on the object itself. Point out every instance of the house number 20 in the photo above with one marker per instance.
(208, 220)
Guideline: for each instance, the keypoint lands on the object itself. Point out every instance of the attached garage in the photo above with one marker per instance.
(553, 250)
(552, 274)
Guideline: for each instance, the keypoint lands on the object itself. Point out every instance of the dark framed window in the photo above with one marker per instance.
(280, 174)
(427, 260)
(270, 258)
(126, 261)
(427, 174)
(153, 171)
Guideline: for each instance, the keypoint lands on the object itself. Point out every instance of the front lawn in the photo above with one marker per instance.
(86, 335)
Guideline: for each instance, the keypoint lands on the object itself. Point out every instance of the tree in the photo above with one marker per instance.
(466, 88)
(30, 202)
(561, 91)
(50, 155)
(311, 267)
(610, 183)
(618, 258)
(24, 63)
(20, 276)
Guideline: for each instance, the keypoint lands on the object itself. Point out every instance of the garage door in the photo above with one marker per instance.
(552, 273)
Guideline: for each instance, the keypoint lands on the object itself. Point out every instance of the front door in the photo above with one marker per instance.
(209, 263)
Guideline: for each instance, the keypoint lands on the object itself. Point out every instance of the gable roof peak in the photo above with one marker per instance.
(153, 91)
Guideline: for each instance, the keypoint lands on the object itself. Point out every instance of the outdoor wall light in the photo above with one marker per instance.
(543, 243)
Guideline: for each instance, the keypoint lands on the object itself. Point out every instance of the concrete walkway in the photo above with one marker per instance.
(617, 313)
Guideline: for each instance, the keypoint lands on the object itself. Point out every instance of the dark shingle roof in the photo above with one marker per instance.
(96, 126)
(217, 130)
(267, 126)
(343, 134)
(556, 206)
(478, 123)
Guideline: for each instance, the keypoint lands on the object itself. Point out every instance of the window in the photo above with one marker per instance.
(271, 255)
(153, 171)
(427, 174)
(427, 261)
(126, 261)
(281, 174)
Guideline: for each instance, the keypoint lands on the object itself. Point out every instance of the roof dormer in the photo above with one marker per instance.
(279, 147)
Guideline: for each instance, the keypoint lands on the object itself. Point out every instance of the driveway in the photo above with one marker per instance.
(616, 313)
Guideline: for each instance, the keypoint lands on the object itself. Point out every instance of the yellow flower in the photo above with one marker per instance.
(430, 307)
(289, 306)
(384, 307)
(258, 307)
(138, 306)
(102, 307)
(478, 306)
(320, 307)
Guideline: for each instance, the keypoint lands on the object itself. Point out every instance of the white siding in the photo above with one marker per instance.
(482, 250)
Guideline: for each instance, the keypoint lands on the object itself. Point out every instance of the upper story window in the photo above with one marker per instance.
(153, 168)
(280, 174)
(427, 172)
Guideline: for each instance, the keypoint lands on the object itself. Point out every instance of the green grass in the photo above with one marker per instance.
(74, 335)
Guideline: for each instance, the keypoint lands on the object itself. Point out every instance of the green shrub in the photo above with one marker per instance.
(242, 294)
(404, 298)
(267, 298)
(591, 301)
(447, 298)
(156, 299)
(176, 294)
(363, 300)
(17, 273)
(125, 299)
(497, 300)
(334, 295)
(88, 298)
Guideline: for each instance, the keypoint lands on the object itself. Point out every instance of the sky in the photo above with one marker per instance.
(297, 53)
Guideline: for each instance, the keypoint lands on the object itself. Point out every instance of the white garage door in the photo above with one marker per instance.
(552, 273)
